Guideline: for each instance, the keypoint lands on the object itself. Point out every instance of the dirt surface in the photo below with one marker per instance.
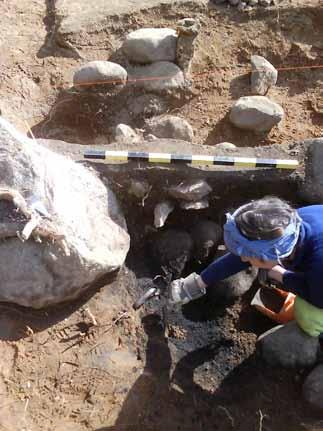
(95, 364)
(36, 73)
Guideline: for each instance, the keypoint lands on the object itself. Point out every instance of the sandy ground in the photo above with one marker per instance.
(93, 364)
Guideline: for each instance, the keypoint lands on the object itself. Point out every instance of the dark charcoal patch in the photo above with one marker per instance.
(9, 213)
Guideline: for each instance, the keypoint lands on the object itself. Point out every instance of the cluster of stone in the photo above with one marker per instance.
(246, 4)
(258, 113)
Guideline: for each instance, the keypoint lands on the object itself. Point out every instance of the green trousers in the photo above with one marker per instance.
(308, 317)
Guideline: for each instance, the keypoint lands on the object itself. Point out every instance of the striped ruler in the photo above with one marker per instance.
(246, 162)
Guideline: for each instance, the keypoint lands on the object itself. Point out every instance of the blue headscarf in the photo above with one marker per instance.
(274, 249)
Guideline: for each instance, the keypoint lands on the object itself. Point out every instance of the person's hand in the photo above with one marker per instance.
(184, 290)
(276, 273)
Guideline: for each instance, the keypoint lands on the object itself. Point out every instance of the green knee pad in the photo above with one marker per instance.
(308, 317)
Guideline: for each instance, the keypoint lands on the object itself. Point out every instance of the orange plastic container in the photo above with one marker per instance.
(274, 303)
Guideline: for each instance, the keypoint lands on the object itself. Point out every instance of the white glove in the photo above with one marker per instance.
(184, 290)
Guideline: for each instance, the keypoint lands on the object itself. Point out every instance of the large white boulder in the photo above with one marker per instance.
(257, 113)
(149, 45)
(92, 237)
(99, 76)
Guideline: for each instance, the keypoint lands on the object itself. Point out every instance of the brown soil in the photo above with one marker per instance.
(94, 365)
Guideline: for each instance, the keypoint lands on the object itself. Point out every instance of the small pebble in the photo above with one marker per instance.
(242, 6)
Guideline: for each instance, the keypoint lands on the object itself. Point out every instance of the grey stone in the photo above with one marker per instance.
(311, 189)
(139, 189)
(149, 45)
(187, 30)
(288, 346)
(242, 6)
(234, 2)
(257, 113)
(151, 137)
(225, 146)
(89, 237)
(171, 127)
(207, 236)
(190, 190)
(100, 76)
(313, 388)
(263, 75)
(161, 212)
(147, 105)
(194, 205)
(233, 287)
(265, 2)
(172, 249)
(124, 133)
(253, 2)
(159, 77)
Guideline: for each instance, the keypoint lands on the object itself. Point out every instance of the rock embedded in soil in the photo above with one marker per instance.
(147, 105)
(124, 133)
(313, 388)
(171, 250)
(225, 146)
(89, 237)
(139, 189)
(194, 205)
(159, 77)
(288, 346)
(100, 76)
(149, 45)
(263, 75)
(257, 113)
(161, 212)
(187, 30)
(171, 127)
(207, 236)
(190, 190)
(232, 287)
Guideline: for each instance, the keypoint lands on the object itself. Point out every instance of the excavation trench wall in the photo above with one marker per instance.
(230, 185)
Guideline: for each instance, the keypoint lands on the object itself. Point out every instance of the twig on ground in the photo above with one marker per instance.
(261, 418)
(229, 416)
(26, 405)
(91, 316)
(124, 315)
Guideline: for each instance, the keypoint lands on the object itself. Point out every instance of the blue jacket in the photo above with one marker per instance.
(304, 275)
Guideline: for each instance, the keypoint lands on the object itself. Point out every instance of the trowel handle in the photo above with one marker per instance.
(151, 293)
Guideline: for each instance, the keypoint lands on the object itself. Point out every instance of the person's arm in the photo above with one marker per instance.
(308, 284)
(223, 267)
(194, 286)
